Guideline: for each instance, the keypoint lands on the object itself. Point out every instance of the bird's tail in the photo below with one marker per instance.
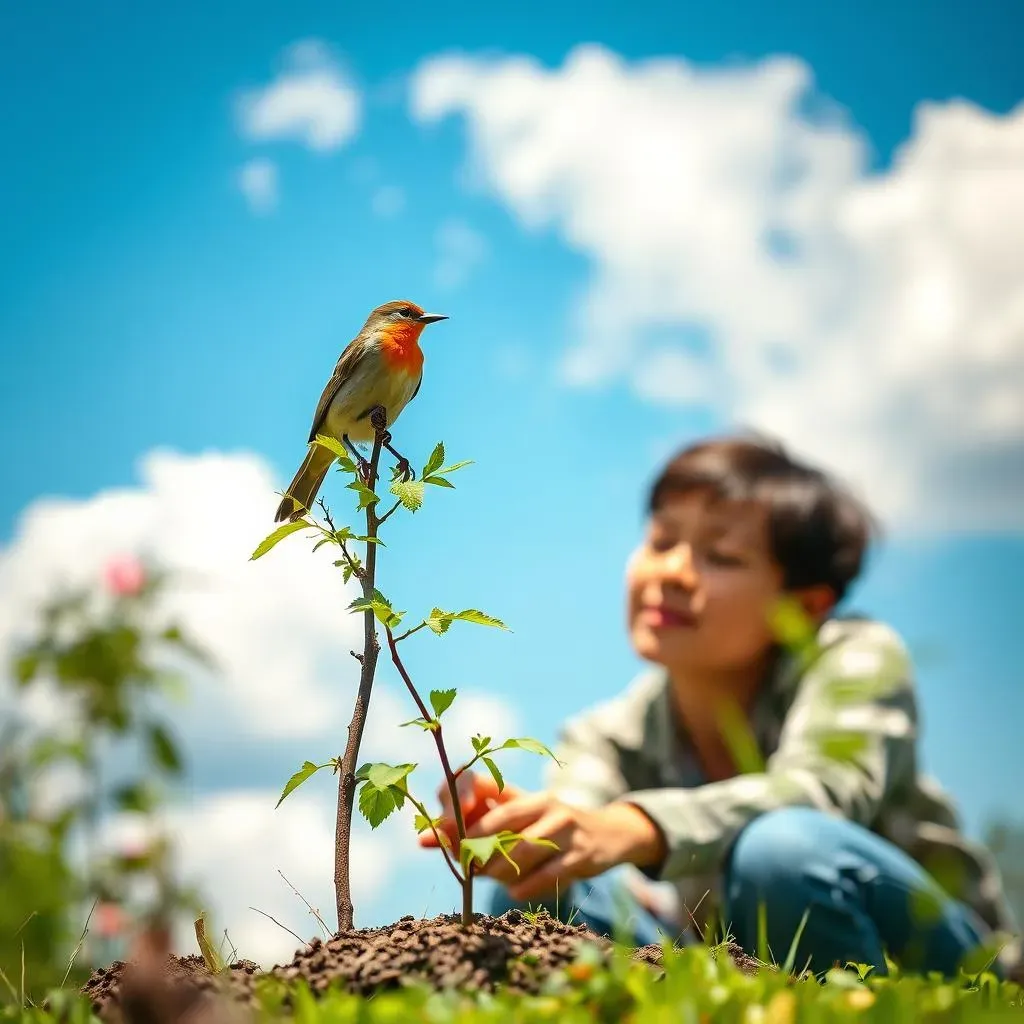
(302, 491)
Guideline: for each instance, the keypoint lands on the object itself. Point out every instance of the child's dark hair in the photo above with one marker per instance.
(818, 531)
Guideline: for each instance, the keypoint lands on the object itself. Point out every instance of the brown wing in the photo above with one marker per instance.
(342, 370)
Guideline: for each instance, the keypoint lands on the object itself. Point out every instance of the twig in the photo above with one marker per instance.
(390, 512)
(312, 909)
(279, 925)
(437, 835)
(449, 775)
(327, 514)
(409, 632)
(347, 772)
(344, 549)
(81, 942)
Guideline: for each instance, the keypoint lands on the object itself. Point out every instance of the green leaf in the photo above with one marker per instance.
(163, 748)
(381, 774)
(322, 541)
(440, 621)
(333, 445)
(422, 822)
(409, 493)
(421, 722)
(531, 745)
(495, 774)
(480, 742)
(366, 495)
(452, 468)
(377, 804)
(383, 791)
(441, 700)
(435, 461)
(438, 481)
(381, 608)
(212, 958)
(278, 535)
(482, 849)
(135, 796)
(307, 769)
(26, 667)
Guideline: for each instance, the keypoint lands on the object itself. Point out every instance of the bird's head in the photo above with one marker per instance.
(400, 319)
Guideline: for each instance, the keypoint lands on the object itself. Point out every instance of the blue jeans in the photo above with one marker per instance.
(864, 895)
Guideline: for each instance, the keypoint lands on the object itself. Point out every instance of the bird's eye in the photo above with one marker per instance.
(407, 311)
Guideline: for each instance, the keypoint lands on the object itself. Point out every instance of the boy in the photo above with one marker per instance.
(836, 819)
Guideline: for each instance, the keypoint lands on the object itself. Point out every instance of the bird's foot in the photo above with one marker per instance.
(365, 471)
(403, 468)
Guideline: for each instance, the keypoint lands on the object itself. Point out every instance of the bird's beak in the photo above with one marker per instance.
(430, 318)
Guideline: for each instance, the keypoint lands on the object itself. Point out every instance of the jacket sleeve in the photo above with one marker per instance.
(846, 743)
(601, 753)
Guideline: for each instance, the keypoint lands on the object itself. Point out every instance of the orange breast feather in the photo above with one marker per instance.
(400, 348)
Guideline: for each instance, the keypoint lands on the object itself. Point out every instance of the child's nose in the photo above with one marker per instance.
(679, 565)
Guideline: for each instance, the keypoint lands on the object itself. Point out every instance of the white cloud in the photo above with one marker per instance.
(461, 249)
(310, 100)
(257, 181)
(874, 321)
(388, 201)
(276, 626)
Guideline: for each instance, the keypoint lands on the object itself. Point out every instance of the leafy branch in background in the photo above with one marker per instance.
(384, 788)
(106, 656)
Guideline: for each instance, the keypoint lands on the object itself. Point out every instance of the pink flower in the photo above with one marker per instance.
(125, 576)
(110, 920)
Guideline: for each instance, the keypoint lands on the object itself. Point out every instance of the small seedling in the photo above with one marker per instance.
(384, 788)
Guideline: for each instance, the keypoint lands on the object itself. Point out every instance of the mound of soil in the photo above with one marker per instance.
(511, 952)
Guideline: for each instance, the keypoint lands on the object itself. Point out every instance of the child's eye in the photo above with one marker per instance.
(724, 558)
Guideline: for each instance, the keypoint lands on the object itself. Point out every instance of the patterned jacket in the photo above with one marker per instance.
(836, 729)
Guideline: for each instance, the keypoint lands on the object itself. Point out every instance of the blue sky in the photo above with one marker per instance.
(145, 305)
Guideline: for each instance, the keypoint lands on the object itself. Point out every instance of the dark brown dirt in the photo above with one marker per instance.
(511, 952)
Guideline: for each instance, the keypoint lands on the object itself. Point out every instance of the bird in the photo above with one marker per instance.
(381, 367)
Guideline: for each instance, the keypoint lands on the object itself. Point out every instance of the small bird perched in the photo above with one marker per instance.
(381, 366)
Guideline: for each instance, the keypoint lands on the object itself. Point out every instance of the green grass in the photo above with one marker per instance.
(695, 988)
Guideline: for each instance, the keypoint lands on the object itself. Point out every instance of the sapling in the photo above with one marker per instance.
(384, 788)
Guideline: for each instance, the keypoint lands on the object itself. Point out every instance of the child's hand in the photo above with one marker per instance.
(477, 795)
(589, 842)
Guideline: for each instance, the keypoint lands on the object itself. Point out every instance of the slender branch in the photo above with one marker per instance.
(347, 771)
(357, 570)
(390, 512)
(312, 909)
(409, 632)
(279, 925)
(460, 825)
(334, 531)
(327, 514)
(472, 761)
(437, 835)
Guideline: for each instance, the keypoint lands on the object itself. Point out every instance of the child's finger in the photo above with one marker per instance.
(477, 795)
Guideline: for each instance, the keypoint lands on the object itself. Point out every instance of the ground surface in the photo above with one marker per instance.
(512, 951)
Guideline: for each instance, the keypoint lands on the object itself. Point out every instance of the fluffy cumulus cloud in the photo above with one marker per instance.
(745, 258)
(310, 100)
(284, 678)
(257, 181)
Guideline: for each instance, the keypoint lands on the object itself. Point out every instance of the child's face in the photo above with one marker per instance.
(701, 585)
